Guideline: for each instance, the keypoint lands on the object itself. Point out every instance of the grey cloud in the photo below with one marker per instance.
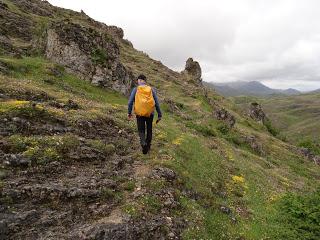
(274, 41)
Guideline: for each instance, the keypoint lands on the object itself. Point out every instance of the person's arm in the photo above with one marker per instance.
(156, 100)
(131, 101)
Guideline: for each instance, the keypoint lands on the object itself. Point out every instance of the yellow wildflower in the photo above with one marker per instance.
(177, 141)
(238, 179)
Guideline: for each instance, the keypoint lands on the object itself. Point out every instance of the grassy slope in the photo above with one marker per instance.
(209, 164)
(213, 165)
(220, 172)
(297, 117)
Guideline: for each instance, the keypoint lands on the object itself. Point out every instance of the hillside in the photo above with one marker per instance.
(252, 88)
(297, 117)
(70, 164)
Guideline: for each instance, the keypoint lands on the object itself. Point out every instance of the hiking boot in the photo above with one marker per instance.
(148, 147)
(145, 149)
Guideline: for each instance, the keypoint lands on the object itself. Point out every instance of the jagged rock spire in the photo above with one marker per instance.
(193, 69)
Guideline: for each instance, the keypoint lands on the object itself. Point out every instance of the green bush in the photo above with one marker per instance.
(299, 217)
(99, 56)
(223, 128)
(311, 145)
(205, 130)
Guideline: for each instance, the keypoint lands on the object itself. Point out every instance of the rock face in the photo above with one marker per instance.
(194, 70)
(256, 112)
(224, 115)
(88, 53)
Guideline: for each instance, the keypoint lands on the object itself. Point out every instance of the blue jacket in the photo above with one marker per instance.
(155, 97)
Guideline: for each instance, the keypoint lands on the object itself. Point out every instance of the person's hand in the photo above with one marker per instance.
(130, 117)
(159, 119)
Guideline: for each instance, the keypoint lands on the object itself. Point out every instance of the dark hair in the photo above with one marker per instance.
(142, 77)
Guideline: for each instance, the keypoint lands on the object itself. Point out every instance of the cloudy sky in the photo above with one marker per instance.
(276, 42)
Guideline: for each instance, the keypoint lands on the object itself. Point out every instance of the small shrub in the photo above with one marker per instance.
(132, 210)
(129, 186)
(311, 145)
(151, 203)
(271, 129)
(107, 194)
(43, 149)
(234, 138)
(299, 216)
(205, 130)
(99, 56)
(101, 146)
(223, 128)
(42, 156)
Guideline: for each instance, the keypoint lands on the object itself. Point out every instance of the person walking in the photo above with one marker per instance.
(144, 99)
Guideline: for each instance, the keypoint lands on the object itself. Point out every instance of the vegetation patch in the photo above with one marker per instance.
(271, 129)
(298, 217)
(99, 56)
(312, 145)
(204, 129)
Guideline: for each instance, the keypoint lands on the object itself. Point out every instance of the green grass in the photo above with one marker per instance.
(297, 217)
(38, 70)
(212, 161)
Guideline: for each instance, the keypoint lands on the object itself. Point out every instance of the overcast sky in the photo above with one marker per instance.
(276, 42)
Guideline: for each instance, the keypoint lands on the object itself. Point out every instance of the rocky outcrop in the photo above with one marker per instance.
(193, 69)
(256, 112)
(310, 155)
(224, 115)
(90, 54)
(254, 144)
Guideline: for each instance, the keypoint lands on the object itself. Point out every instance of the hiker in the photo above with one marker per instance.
(145, 100)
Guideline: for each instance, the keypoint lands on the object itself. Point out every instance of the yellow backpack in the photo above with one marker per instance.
(144, 102)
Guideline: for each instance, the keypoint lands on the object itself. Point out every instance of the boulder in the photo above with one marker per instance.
(310, 155)
(193, 69)
(254, 144)
(256, 112)
(316, 160)
(224, 115)
(162, 172)
(16, 160)
(90, 54)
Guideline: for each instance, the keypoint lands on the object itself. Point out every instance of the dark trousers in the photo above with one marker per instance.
(143, 123)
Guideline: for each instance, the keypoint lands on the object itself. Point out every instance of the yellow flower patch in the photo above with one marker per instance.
(238, 179)
(178, 141)
(17, 103)
(8, 105)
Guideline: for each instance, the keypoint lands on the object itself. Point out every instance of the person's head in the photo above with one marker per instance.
(141, 79)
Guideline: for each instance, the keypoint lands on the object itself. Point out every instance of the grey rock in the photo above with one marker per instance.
(254, 143)
(316, 160)
(256, 112)
(226, 210)
(223, 115)
(88, 53)
(16, 160)
(193, 69)
(162, 172)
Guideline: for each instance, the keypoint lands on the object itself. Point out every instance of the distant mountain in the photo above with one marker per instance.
(290, 91)
(253, 88)
(316, 91)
